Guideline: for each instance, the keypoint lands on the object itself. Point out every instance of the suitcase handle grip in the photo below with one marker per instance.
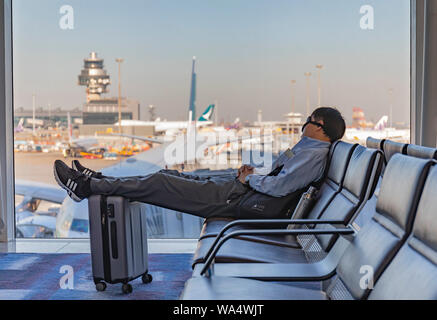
(114, 247)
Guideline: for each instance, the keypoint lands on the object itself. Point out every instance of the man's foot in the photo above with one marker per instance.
(75, 164)
(75, 183)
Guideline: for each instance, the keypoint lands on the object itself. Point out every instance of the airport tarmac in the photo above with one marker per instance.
(39, 166)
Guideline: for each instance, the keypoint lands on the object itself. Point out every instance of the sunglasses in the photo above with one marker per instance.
(312, 122)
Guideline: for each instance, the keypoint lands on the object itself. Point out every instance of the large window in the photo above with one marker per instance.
(263, 64)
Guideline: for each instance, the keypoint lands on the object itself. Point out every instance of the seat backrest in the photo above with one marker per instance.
(355, 185)
(374, 143)
(413, 272)
(341, 154)
(390, 148)
(380, 238)
(421, 152)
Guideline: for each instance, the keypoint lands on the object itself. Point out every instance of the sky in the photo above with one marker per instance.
(247, 53)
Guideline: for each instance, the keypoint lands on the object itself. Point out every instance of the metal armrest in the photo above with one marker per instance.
(279, 222)
(215, 247)
(289, 271)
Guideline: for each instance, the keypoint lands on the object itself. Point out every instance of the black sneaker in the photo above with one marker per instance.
(75, 183)
(75, 164)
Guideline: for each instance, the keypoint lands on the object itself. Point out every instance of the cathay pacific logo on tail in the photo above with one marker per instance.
(207, 115)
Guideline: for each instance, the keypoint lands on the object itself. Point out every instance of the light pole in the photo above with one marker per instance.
(119, 61)
(390, 92)
(308, 75)
(293, 82)
(33, 114)
(216, 113)
(319, 87)
(151, 112)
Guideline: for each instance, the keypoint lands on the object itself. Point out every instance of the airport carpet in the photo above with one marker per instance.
(38, 277)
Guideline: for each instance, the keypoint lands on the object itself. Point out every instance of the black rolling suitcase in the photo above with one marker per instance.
(118, 241)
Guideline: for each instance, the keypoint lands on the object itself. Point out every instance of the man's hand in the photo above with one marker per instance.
(244, 173)
(243, 168)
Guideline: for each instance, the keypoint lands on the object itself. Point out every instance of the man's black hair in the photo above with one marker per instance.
(334, 125)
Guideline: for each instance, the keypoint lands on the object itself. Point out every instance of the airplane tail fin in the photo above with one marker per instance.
(20, 127)
(207, 115)
(382, 123)
(70, 128)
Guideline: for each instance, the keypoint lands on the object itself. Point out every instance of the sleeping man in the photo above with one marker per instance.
(208, 197)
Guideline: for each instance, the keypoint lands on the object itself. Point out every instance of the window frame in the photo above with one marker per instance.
(418, 49)
(7, 179)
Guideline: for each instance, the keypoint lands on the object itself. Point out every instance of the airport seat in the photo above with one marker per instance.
(341, 154)
(357, 187)
(340, 157)
(381, 245)
(368, 211)
(421, 152)
(227, 288)
(390, 148)
(413, 272)
(380, 239)
(375, 143)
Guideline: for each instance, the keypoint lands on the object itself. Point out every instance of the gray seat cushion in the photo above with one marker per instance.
(213, 227)
(236, 250)
(413, 272)
(221, 288)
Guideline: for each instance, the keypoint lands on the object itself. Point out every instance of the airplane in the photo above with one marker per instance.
(172, 127)
(36, 208)
(19, 127)
(235, 125)
(382, 123)
(379, 131)
(37, 122)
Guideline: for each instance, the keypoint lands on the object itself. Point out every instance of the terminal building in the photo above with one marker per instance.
(48, 115)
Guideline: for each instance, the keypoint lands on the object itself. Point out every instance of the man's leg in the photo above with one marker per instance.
(221, 177)
(177, 173)
(206, 199)
(230, 174)
(203, 198)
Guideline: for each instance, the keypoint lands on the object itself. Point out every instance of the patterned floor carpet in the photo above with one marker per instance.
(39, 277)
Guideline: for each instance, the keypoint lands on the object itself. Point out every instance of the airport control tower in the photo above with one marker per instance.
(94, 77)
(98, 109)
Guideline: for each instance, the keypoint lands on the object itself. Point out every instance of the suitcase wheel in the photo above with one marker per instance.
(101, 286)
(147, 278)
(126, 288)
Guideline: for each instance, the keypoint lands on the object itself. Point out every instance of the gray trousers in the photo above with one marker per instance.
(205, 197)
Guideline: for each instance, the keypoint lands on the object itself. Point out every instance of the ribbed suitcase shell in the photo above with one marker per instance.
(118, 236)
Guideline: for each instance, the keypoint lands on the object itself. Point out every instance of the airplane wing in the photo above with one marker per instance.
(236, 139)
(138, 138)
(158, 141)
